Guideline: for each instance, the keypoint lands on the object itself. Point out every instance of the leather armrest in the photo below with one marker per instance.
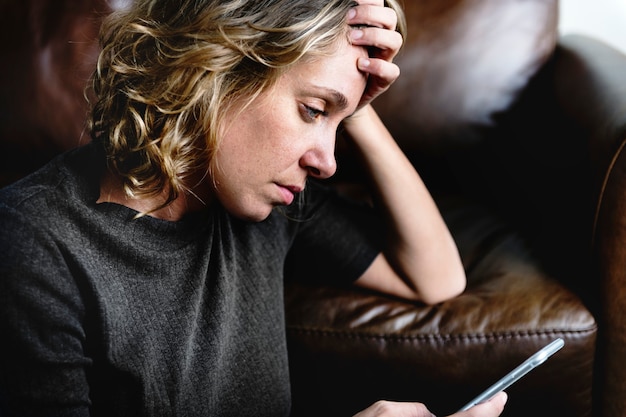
(590, 80)
(349, 348)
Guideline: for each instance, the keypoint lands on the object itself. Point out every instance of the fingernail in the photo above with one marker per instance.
(356, 34)
(364, 63)
(351, 14)
(500, 398)
(505, 397)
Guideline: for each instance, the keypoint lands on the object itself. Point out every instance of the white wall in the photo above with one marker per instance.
(603, 19)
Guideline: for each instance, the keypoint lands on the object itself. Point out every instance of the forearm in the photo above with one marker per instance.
(420, 248)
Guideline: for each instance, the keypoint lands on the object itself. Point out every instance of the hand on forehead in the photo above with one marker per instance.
(373, 13)
(374, 27)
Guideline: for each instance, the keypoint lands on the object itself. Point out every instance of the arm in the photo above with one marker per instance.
(421, 260)
(42, 359)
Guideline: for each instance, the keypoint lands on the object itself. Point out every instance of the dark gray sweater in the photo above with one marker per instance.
(105, 315)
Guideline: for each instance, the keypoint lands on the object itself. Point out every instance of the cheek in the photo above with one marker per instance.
(265, 139)
(276, 141)
(248, 153)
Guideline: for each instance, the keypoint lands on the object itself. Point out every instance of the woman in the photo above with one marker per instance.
(142, 274)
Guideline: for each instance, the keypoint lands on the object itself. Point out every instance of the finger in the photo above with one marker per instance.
(491, 408)
(385, 72)
(373, 15)
(374, 2)
(390, 408)
(381, 74)
(386, 43)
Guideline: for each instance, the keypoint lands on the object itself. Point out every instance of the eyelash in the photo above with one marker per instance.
(312, 113)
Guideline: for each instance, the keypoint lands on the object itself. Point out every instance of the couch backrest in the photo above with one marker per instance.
(464, 60)
(49, 51)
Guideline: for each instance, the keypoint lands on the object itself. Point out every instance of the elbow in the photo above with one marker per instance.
(451, 287)
(437, 275)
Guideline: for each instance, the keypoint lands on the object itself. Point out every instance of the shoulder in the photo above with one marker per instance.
(66, 179)
(39, 212)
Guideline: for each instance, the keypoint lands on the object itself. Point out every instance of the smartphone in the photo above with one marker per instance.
(535, 360)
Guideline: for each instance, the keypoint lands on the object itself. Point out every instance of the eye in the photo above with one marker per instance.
(311, 113)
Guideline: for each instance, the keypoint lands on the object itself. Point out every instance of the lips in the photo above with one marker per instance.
(288, 193)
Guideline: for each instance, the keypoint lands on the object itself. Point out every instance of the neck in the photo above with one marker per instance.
(112, 191)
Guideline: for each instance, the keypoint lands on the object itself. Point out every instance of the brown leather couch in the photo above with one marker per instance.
(519, 135)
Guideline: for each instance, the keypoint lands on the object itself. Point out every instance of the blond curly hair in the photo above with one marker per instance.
(169, 69)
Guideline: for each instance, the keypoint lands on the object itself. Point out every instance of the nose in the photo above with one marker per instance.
(319, 160)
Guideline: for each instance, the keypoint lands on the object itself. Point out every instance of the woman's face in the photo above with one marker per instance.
(287, 134)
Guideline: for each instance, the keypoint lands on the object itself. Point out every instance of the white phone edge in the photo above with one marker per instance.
(529, 364)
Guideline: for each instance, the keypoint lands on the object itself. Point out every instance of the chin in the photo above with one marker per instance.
(257, 214)
(254, 218)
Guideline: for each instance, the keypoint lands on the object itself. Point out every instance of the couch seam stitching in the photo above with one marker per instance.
(443, 337)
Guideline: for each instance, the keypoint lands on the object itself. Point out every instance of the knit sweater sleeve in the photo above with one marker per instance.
(337, 238)
(43, 364)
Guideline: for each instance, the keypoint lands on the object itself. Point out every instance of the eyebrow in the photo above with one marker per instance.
(337, 99)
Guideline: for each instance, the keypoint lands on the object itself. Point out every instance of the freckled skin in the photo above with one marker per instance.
(287, 134)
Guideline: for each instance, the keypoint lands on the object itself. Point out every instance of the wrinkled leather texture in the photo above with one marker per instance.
(522, 146)
(351, 348)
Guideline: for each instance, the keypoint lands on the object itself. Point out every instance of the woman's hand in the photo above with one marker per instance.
(492, 408)
(374, 27)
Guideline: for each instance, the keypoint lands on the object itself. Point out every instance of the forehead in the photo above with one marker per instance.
(336, 73)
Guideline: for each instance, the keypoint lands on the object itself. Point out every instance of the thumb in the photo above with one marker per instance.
(491, 408)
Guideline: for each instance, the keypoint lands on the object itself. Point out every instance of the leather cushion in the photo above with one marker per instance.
(349, 348)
